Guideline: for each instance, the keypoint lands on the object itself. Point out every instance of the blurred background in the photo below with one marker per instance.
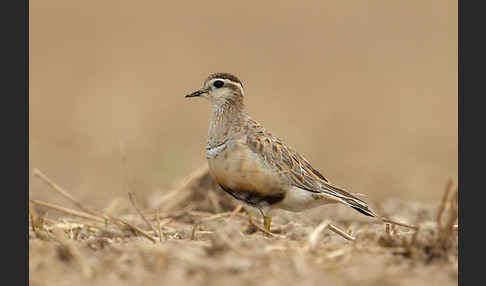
(366, 90)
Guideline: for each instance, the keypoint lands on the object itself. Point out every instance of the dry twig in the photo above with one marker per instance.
(159, 224)
(388, 229)
(33, 217)
(446, 229)
(131, 196)
(137, 229)
(387, 220)
(193, 232)
(259, 227)
(63, 192)
(340, 232)
(314, 235)
(445, 200)
(234, 212)
(68, 211)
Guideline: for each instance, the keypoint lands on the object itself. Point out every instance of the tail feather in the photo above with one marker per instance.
(350, 200)
(359, 206)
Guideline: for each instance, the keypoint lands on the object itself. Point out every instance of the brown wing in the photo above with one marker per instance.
(298, 170)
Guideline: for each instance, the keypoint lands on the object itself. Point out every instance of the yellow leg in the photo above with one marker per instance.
(267, 221)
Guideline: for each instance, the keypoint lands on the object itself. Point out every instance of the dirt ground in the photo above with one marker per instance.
(365, 90)
(199, 236)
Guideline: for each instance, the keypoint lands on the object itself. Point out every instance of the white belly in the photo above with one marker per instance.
(297, 199)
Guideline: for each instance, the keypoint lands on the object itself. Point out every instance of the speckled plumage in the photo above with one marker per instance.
(254, 166)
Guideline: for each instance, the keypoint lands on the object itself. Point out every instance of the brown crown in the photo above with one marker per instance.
(225, 76)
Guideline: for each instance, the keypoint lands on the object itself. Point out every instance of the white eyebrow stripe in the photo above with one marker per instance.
(240, 86)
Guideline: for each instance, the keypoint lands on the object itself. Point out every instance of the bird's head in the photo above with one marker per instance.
(220, 89)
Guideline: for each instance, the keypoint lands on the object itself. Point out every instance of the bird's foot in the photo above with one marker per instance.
(267, 221)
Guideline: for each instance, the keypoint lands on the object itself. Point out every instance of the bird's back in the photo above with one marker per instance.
(293, 169)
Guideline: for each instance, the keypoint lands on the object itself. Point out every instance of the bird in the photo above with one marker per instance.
(256, 167)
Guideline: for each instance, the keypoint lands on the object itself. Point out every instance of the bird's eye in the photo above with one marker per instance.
(218, 83)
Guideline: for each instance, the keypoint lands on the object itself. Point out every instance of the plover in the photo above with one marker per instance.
(255, 167)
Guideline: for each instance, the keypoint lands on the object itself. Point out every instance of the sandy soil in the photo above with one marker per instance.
(191, 243)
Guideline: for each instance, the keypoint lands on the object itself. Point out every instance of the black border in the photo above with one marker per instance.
(15, 140)
(21, 158)
(471, 159)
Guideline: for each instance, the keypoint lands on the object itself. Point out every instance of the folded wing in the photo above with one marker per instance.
(298, 170)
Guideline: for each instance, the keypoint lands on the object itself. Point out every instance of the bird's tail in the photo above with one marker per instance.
(350, 200)
(359, 205)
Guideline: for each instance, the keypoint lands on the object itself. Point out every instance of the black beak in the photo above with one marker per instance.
(197, 93)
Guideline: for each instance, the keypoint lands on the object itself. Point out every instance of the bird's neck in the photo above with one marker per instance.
(226, 119)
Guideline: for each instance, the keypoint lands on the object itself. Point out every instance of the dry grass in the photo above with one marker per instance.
(196, 235)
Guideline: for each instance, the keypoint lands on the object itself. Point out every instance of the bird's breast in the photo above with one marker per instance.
(236, 168)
